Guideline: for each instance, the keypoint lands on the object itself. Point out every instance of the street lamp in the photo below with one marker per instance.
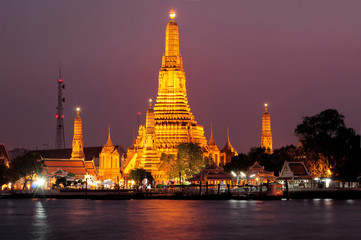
(237, 176)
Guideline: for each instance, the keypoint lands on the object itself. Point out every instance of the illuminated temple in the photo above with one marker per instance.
(266, 138)
(101, 163)
(169, 122)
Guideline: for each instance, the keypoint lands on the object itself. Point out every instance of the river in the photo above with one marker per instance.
(179, 219)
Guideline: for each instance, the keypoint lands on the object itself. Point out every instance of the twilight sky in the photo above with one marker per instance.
(301, 57)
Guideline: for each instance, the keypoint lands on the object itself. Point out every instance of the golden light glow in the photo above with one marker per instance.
(78, 143)
(172, 14)
(266, 138)
(170, 122)
(109, 167)
(150, 100)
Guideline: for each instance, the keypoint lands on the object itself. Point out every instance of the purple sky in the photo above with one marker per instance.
(299, 56)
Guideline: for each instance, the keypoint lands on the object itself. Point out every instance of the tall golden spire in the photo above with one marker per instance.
(78, 143)
(172, 43)
(171, 109)
(170, 122)
(266, 138)
(149, 122)
(109, 141)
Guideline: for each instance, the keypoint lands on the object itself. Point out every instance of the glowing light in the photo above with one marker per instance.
(266, 104)
(328, 181)
(150, 100)
(138, 113)
(60, 80)
(253, 175)
(57, 115)
(172, 14)
(78, 109)
(242, 174)
(233, 174)
(329, 172)
(40, 182)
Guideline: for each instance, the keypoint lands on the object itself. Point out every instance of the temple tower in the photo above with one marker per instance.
(78, 143)
(213, 148)
(266, 138)
(109, 167)
(228, 151)
(173, 119)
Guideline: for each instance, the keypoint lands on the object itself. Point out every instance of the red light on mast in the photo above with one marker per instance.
(60, 80)
(62, 116)
(56, 115)
(138, 113)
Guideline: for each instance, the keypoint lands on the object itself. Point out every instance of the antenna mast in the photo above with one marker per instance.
(60, 137)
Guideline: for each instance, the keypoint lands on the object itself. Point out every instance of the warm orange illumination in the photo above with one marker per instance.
(170, 122)
(266, 138)
(78, 152)
(172, 14)
(109, 167)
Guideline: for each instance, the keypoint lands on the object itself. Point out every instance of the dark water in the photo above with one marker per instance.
(174, 219)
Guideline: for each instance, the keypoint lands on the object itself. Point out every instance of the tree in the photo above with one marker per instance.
(241, 162)
(71, 174)
(188, 161)
(288, 153)
(27, 166)
(272, 162)
(262, 157)
(139, 174)
(326, 140)
(168, 165)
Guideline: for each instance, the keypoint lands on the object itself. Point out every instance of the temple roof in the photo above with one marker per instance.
(228, 146)
(212, 172)
(90, 152)
(109, 147)
(78, 167)
(211, 141)
(109, 141)
(256, 167)
(294, 170)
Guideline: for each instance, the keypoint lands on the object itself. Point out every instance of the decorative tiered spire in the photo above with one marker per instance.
(78, 143)
(150, 124)
(109, 143)
(228, 143)
(266, 138)
(211, 141)
(171, 108)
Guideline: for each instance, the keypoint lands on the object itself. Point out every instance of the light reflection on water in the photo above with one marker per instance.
(40, 228)
(175, 219)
